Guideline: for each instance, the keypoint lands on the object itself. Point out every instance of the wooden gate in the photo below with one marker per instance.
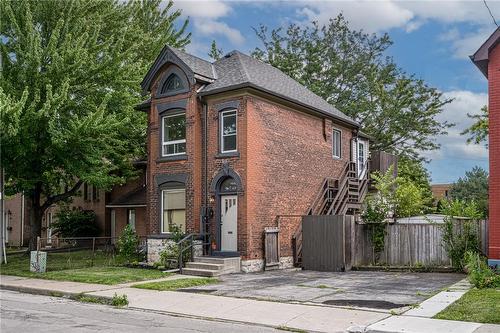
(326, 242)
(272, 247)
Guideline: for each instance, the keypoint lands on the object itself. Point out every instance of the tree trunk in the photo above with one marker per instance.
(36, 214)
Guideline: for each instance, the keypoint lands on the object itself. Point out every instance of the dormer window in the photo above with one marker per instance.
(172, 83)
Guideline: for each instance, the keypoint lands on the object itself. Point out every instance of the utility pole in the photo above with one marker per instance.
(2, 216)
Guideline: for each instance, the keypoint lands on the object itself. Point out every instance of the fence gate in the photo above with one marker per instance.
(326, 242)
(272, 247)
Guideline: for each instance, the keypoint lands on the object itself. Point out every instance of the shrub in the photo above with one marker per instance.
(169, 256)
(480, 275)
(128, 245)
(458, 241)
(408, 199)
(75, 223)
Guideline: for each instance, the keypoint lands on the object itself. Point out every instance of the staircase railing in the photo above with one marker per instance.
(321, 198)
(183, 247)
(297, 246)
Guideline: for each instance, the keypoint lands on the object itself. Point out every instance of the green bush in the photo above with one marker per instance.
(128, 245)
(169, 256)
(480, 275)
(75, 223)
(408, 199)
(119, 300)
(458, 241)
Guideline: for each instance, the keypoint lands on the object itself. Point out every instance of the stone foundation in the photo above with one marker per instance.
(156, 245)
(257, 265)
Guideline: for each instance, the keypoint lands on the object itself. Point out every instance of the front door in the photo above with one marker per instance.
(229, 223)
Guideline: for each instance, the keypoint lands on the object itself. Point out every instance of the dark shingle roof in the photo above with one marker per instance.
(197, 65)
(237, 70)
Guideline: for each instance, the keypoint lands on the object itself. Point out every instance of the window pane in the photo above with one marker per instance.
(174, 128)
(172, 83)
(174, 209)
(229, 123)
(229, 143)
(337, 143)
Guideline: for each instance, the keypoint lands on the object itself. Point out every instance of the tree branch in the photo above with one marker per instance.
(59, 197)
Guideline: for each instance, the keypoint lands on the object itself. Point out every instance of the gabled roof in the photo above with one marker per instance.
(135, 198)
(237, 70)
(481, 57)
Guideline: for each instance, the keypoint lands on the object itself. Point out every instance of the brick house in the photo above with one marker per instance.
(125, 204)
(236, 146)
(487, 59)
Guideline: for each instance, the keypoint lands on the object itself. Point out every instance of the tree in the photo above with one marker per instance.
(473, 187)
(349, 70)
(70, 78)
(413, 171)
(215, 53)
(479, 130)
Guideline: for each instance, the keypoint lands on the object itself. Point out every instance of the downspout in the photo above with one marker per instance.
(205, 210)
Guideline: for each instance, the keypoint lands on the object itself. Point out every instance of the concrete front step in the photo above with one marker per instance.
(212, 266)
(201, 272)
(203, 265)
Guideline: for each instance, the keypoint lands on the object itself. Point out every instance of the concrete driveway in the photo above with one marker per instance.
(379, 290)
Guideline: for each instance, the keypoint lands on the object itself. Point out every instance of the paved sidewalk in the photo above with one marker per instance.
(274, 314)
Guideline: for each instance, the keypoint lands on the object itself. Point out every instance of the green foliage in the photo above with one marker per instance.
(75, 223)
(480, 275)
(413, 171)
(375, 215)
(71, 73)
(408, 199)
(460, 236)
(473, 187)
(215, 53)
(350, 70)
(119, 300)
(128, 245)
(478, 132)
(169, 256)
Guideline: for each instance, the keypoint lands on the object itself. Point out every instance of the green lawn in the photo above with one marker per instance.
(176, 284)
(80, 266)
(477, 305)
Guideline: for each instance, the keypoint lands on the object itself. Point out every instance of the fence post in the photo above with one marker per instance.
(38, 243)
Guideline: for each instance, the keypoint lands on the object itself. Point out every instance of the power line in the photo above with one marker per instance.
(491, 14)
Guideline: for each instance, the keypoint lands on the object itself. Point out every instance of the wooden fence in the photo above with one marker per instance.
(410, 244)
(326, 242)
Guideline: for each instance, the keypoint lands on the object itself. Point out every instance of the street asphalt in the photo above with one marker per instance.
(35, 313)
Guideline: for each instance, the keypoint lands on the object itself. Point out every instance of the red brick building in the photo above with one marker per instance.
(234, 144)
(487, 59)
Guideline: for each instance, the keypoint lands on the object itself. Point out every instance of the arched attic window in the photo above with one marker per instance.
(172, 83)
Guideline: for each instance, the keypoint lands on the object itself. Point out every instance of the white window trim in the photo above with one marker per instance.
(333, 143)
(221, 130)
(162, 211)
(166, 143)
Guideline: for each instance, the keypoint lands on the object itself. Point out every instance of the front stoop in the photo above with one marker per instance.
(212, 266)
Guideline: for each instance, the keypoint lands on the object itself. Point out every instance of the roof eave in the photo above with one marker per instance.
(253, 86)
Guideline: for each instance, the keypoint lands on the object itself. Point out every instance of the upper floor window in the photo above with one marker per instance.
(174, 134)
(337, 143)
(172, 83)
(228, 131)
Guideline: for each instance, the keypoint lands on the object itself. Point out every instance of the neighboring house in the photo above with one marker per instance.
(121, 206)
(126, 204)
(236, 146)
(487, 59)
(441, 191)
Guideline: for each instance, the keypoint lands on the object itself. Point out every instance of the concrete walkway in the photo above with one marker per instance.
(274, 314)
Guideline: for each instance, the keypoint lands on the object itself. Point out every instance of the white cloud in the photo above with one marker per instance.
(465, 45)
(206, 17)
(211, 28)
(453, 145)
(206, 9)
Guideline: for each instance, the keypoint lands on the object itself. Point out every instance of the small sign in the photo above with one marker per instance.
(38, 261)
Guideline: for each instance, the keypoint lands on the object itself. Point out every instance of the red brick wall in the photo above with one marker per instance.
(288, 159)
(192, 166)
(494, 149)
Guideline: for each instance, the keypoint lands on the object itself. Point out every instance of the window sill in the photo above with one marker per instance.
(228, 155)
(172, 158)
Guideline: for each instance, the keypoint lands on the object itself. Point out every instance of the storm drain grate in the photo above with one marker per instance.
(365, 303)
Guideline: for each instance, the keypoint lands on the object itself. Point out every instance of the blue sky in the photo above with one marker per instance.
(431, 40)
